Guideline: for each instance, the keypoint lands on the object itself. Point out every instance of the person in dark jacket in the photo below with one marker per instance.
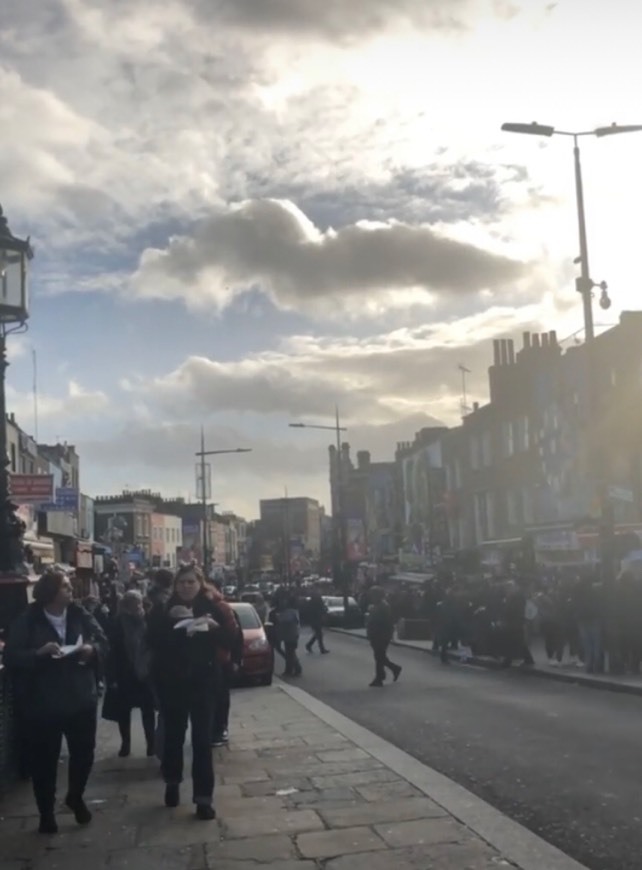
(316, 616)
(229, 662)
(289, 629)
(127, 671)
(185, 636)
(380, 628)
(53, 649)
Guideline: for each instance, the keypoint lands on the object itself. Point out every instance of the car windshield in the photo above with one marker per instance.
(334, 602)
(248, 617)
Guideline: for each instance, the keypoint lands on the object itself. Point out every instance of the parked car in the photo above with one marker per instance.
(258, 655)
(337, 615)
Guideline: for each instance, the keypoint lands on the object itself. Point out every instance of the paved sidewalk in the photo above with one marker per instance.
(301, 787)
(566, 673)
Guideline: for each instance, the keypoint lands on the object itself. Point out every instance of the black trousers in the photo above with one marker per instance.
(292, 663)
(223, 699)
(380, 650)
(44, 737)
(197, 708)
(148, 715)
(317, 637)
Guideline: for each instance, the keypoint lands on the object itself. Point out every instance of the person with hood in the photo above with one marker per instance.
(185, 636)
(380, 629)
(127, 671)
(53, 650)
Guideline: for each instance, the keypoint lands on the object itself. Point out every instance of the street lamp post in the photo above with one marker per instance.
(15, 255)
(339, 519)
(202, 453)
(585, 286)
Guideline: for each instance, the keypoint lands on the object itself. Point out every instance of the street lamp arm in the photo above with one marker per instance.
(315, 426)
(220, 452)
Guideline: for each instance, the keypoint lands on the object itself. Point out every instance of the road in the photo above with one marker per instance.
(563, 760)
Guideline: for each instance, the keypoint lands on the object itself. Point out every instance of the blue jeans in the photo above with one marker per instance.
(591, 637)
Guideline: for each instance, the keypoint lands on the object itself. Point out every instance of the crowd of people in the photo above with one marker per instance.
(581, 619)
(170, 652)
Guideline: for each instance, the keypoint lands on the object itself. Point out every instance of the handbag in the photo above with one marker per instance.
(111, 705)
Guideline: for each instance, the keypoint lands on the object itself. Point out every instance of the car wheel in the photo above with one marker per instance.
(266, 680)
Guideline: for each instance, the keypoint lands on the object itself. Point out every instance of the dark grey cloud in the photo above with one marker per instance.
(272, 244)
(337, 19)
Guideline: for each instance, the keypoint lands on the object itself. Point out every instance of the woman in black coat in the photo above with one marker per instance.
(185, 636)
(128, 672)
(54, 649)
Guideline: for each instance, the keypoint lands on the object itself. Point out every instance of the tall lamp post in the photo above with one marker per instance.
(339, 519)
(203, 468)
(585, 286)
(15, 255)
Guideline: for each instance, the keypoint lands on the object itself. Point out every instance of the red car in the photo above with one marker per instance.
(258, 656)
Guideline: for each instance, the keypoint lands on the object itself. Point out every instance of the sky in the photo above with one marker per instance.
(248, 212)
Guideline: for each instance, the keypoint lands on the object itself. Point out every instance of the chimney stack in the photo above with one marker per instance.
(527, 340)
(545, 339)
(511, 351)
(552, 335)
(535, 340)
(496, 352)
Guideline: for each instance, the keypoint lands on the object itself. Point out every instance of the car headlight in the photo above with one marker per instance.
(257, 645)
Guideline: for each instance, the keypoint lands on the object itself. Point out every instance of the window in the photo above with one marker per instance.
(167, 531)
(487, 453)
(13, 457)
(512, 508)
(484, 516)
(474, 452)
(527, 507)
(509, 437)
(139, 526)
(526, 432)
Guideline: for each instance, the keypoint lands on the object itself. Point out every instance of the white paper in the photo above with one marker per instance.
(198, 624)
(71, 648)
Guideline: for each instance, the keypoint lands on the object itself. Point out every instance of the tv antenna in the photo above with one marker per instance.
(463, 405)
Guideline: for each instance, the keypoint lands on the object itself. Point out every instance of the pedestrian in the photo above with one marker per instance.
(289, 627)
(380, 629)
(513, 616)
(316, 617)
(229, 662)
(185, 635)
(128, 673)
(53, 649)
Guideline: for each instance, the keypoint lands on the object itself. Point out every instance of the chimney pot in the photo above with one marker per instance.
(475, 406)
(535, 340)
(545, 339)
(526, 337)
(552, 335)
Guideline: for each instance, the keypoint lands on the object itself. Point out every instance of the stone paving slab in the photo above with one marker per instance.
(292, 794)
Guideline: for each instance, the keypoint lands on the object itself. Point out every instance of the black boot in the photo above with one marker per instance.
(79, 808)
(48, 823)
(172, 795)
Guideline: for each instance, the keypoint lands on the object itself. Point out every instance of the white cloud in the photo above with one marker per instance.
(78, 402)
(379, 379)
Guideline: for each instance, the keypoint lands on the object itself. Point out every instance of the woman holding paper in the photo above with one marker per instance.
(185, 636)
(53, 649)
